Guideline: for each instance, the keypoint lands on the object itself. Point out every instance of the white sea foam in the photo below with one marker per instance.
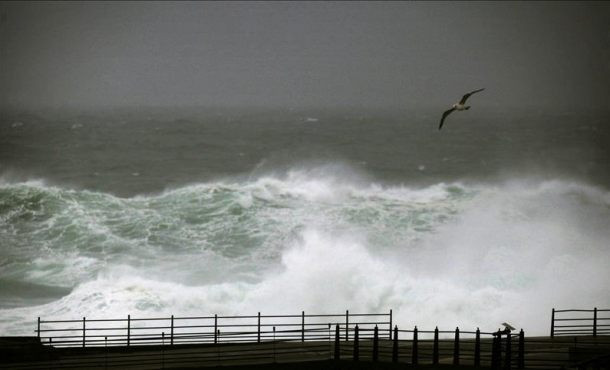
(447, 254)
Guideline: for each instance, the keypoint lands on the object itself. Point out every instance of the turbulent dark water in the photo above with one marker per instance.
(496, 217)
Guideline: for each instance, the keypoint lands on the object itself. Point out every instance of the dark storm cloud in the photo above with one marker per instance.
(303, 54)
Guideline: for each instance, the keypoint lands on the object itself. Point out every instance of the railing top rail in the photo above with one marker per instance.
(65, 321)
(582, 310)
(146, 319)
(445, 332)
(327, 315)
(193, 317)
(104, 320)
(220, 317)
(247, 316)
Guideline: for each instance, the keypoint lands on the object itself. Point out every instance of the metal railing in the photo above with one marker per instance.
(263, 339)
(496, 350)
(349, 339)
(201, 330)
(580, 322)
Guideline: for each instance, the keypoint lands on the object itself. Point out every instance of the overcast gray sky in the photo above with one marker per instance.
(288, 54)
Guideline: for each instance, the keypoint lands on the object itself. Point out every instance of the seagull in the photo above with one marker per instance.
(458, 106)
(508, 327)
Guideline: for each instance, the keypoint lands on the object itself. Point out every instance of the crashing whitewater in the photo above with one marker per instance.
(456, 254)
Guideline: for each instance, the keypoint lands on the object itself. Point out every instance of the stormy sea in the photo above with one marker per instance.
(499, 216)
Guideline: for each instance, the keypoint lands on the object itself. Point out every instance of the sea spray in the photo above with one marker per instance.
(447, 254)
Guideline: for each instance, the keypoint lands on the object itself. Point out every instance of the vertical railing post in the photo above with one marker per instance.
(356, 344)
(395, 345)
(217, 347)
(435, 347)
(302, 326)
(595, 321)
(171, 333)
(508, 355)
(521, 357)
(456, 347)
(414, 353)
(494, 354)
(376, 344)
(477, 348)
(258, 335)
(128, 329)
(346, 325)
(330, 343)
(337, 345)
(38, 330)
(553, 323)
(162, 350)
(390, 331)
(499, 350)
(215, 328)
(105, 353)
(494, 351)
(84, 331)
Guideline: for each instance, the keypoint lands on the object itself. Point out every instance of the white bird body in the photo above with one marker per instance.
(460, 106)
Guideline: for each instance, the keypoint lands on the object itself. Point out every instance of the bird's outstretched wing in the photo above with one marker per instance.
(463, 101)
(445, 114)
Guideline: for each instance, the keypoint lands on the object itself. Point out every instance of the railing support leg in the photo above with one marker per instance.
(274, 344)
(499, 350)
(390, 331)
(376, 344)
(521, 359)
(337, 344)
(356, 344)
(302, 326)
(163, 350)
(84, 331)
(414, 354)
(395, 345)
(171, 333)
(595, 321)
(496, 355)
(477, 349)
(456, 347)
(215, 328)
(553, 323)
(508, 353)
(258, 335)
(105, 353)
(435, 347)
(346, 325)
(494, 352)
(128, 329)
(38, 330)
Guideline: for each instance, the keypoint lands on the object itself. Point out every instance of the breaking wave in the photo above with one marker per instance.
(449, 254)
